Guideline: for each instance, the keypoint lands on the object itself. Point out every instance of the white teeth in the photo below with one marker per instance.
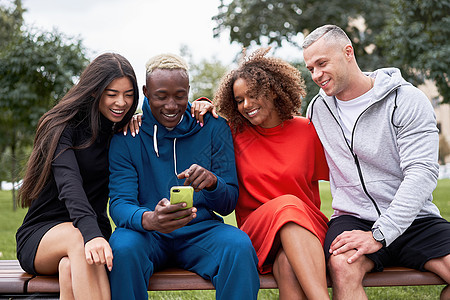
(170, 115)
(324, 83)
(117, 111)
(253, 112)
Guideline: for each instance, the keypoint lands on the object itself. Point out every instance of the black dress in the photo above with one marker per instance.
(76, 192)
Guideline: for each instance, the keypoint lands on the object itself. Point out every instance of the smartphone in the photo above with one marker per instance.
(182, 194)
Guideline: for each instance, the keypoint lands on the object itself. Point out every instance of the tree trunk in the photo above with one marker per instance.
(13, 170)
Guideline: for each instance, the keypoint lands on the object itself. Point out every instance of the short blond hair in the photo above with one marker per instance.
(166, 61)
(330, 33)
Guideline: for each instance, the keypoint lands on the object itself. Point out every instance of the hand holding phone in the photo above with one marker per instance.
(166, 218)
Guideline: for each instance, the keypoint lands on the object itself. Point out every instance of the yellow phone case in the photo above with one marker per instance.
(182, 194)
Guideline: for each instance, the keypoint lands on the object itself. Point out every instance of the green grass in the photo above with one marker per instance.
(10, 221)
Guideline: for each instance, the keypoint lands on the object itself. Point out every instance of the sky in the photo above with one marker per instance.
(139, 29)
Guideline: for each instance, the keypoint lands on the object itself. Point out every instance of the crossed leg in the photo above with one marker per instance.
(61, 251)
(299, 266)
(288, 285)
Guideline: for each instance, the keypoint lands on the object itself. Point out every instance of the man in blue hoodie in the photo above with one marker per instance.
(381, 142)
(173, 149)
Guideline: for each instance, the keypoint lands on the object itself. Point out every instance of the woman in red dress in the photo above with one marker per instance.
(279, 161)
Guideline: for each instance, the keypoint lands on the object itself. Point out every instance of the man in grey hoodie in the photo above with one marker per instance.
(381, 141)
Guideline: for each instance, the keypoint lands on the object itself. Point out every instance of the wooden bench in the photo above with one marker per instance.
(15, 281)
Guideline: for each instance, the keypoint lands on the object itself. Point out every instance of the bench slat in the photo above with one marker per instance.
(175, 279)
(12, 285)
(13, 280)
(12, 277)
(398, 276)
(43, 284)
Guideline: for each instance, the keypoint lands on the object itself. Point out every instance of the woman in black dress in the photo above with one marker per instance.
(66, 229)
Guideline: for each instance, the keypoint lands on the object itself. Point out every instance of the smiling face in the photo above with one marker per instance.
(167, 91)
(328, 63)
(117, 99)
(260, 112)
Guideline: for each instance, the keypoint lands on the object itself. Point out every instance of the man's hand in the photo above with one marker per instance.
(361, 241)
(200, 107)
(98, 252)
(199, 178)
(164, 218)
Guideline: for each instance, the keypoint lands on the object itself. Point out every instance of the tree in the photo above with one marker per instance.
(255, 21)
(417, 37)
(311, 87)
(205, 75)
(36, 69)
(10, 21)
(411, 35)
(278, 20)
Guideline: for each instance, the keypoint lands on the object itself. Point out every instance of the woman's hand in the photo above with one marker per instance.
(200, 107)
(134, 125)
(99, 252)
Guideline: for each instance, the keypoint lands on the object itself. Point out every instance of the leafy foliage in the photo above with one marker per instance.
(10, 20)
(409, 34)
(311, 87)
(205, 75)
(36, 69)
(417, 37)
(279, 20)
(255, 21)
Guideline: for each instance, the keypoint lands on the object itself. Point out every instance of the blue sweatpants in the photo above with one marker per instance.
(218, 252)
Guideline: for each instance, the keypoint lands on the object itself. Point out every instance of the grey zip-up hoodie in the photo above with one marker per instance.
(389, 171)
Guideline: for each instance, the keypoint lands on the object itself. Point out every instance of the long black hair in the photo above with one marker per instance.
(80, 103)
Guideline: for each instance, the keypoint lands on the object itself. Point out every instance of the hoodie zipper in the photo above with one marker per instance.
(355, 157)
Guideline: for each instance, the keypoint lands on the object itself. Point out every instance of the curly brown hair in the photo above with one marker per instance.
(263, 75)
